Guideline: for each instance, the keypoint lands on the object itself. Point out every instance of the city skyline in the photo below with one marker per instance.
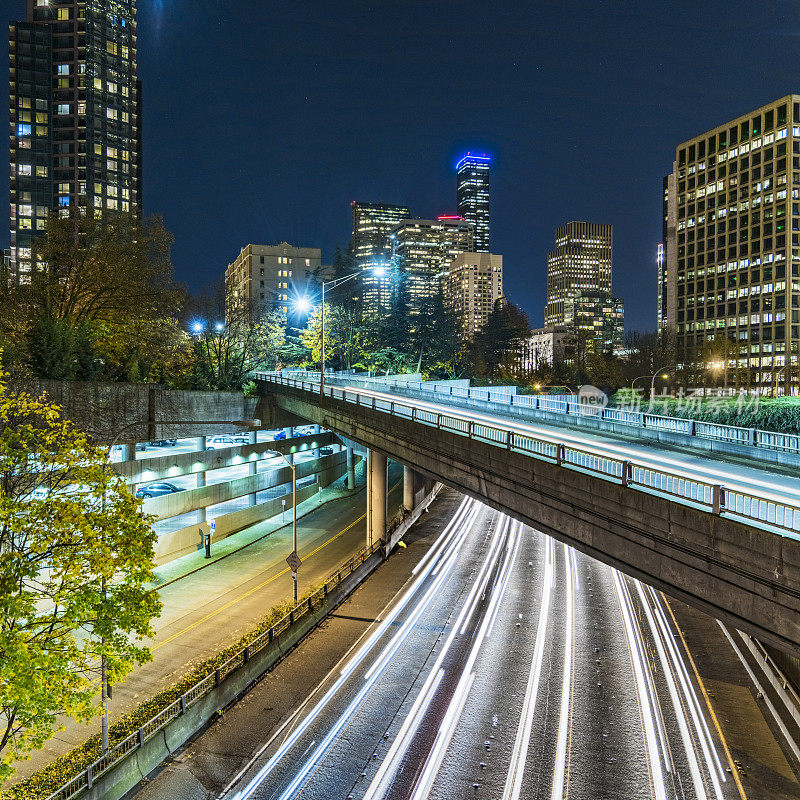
(573, 143)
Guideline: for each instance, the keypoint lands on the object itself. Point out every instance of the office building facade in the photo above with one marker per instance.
(472, 195)
(733, 259)
(424, 250)
(75, 103)
(580, 262)
(546, 346)
(472, 285)
(597, 321)
(371, 247)
(266, 277)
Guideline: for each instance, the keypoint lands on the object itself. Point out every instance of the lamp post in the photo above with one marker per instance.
(662, 372)
(538, 386)
(105, 687)
(293, 555)
(304, 304)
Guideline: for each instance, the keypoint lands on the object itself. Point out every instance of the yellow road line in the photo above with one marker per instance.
(734, 770)
(241, 597)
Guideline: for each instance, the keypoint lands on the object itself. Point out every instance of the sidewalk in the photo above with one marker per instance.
(210, 603)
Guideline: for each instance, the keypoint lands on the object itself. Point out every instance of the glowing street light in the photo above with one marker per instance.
(219, 327)
(198, 327)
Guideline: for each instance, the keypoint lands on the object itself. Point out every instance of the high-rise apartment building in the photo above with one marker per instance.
(265, 277)
(733, 260)
(580, 262)
(472, 180)
(371, 247)
(75, 102)
(597, 321)
(424, 250)
(473, 284)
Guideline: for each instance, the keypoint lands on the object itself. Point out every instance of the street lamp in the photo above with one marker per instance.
(198, 326)
(716, 366)
(539, 386)
(105, 687)
(658, 373)
(294, 559)
(304, 304)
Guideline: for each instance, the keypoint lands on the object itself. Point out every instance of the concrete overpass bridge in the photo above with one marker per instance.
(722, 537)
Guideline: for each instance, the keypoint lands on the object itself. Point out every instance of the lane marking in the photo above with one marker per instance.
(710, 707)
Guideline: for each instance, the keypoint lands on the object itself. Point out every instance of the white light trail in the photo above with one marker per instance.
(566, 683)
(519, 755)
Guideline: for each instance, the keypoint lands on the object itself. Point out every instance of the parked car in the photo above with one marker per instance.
(281, 434)
(157, 490)
(164, 443)
(240, 438)
(326, 451)
(221, 442)
(304, 430)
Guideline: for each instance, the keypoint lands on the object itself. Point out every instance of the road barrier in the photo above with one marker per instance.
(766, 510)
(753, 437)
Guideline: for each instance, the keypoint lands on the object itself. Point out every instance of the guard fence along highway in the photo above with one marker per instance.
(565, 404)
(136, 740)
(766, 510)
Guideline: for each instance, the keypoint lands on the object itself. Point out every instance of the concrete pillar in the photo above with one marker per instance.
(127, 451)
(253, 469)
(290, 435)
(351, 468)
(377, 479)
(316, 433)
(409, 488)
(201, 478)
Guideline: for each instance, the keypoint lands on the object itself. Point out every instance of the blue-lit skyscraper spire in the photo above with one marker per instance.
(472, 173)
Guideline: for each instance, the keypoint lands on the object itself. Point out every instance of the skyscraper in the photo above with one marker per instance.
(472, 176)
(75, 101)
(424, 250)
(579, 286)
(733, 256)
(371, 247)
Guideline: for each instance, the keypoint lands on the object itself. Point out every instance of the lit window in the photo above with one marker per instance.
(23, 130)
(24, 169)
(26, 211)
(63, 109)
(41, 172)
(63, 201)
(63, 69)
(98, 83)
(63, 14)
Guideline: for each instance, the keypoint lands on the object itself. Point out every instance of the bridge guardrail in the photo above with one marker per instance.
(774, 512)
(752, 437)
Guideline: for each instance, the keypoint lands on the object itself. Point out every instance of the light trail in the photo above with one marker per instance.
(639, 666)
(447, 549)
(566, 683)
(519, 755)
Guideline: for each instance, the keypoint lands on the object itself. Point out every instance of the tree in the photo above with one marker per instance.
(93, 277)
(497, 348)
(437, 339)
(227, 352)
(339, 330)
(76, 555)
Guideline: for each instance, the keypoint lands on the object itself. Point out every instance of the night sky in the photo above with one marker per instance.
(263, 120)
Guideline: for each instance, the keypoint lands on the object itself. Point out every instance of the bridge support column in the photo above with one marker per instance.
(253, 470)
(316, 433)
(290, 435)
(377, 479)
(351, 468)
(201, 477)
(410, 483)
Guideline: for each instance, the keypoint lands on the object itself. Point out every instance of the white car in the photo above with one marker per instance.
(221, 442)
(304, 430)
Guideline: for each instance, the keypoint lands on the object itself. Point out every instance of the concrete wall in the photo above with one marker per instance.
(743, 575)
(104, 409)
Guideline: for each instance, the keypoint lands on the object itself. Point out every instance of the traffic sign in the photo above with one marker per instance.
(293, 560)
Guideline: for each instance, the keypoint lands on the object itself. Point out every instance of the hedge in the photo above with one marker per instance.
(43, 783)
(780, 414)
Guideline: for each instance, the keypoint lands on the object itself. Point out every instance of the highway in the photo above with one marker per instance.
(509, 666)
(755, 478)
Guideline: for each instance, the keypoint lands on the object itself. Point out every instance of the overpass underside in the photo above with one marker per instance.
(744, 575)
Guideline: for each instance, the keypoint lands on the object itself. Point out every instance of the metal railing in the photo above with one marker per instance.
(753, 437)
(772, 512)
(137, 739)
